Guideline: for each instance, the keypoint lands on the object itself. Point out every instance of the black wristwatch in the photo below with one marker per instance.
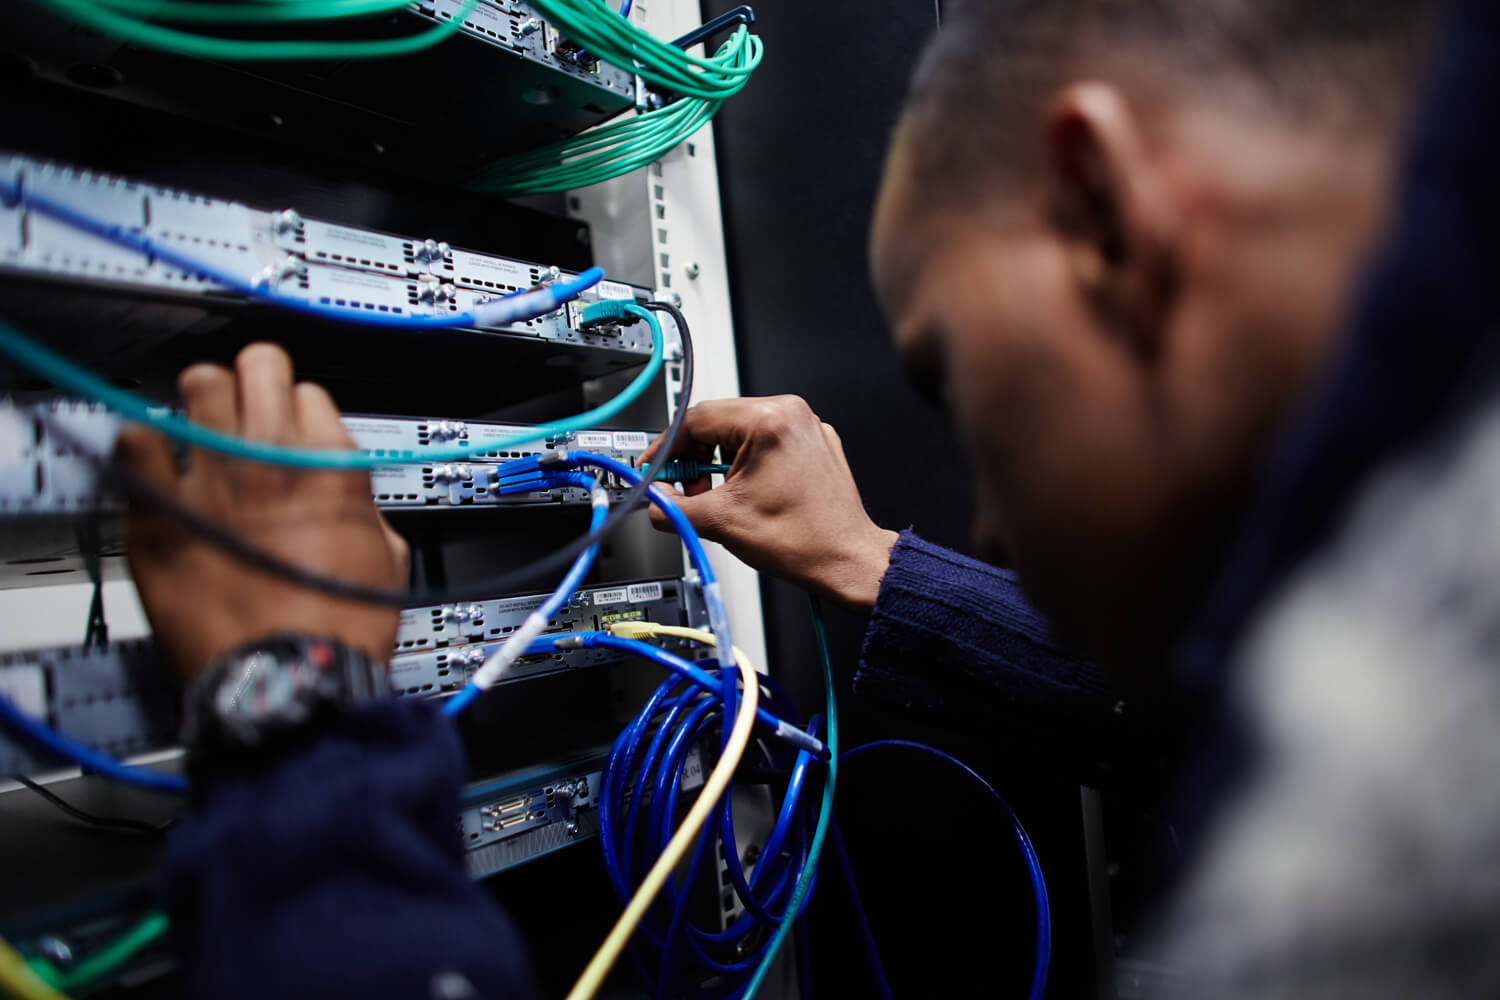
(265, 695)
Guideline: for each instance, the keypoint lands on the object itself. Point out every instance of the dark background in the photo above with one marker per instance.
(800, 152)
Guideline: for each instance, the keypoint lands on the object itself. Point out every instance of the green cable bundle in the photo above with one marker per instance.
(698, 85)
(621, 146)
(125, 20)
(604, 33)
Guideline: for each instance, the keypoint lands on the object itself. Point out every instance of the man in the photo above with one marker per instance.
(1117, 241)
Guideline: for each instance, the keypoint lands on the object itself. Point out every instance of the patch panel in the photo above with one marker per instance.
(123, 699)
(49, 459)
(311, 260)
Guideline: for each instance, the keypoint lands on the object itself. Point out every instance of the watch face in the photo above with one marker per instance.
(264, 685)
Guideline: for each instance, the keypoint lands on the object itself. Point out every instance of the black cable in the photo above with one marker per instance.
(252, 555)
(118, 823)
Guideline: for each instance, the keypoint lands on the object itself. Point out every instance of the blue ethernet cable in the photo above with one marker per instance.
(517, 645)
(34, 731)
(1017, 832)
(680, 716)
(510, 309)
(80, 381)
(713, 598)
(825, 811)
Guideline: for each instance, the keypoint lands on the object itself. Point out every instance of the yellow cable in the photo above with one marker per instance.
(718, 781)
(17, 979)
(651, 630)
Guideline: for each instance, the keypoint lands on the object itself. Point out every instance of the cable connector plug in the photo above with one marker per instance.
(557, 458)
(686, 470)
(607, 312)
(632, 630)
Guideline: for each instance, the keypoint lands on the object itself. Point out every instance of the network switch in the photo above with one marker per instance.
(50, 459)
(413, 111)
(124, 699)
(314, 261)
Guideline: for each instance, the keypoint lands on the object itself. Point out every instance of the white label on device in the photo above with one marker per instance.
(615, 290)
(642, 592)
(616, 596)
(631, 441)
(595, 439)
(26, 688)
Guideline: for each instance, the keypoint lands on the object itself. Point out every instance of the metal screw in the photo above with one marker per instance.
(572, 828)
(530, 27)
(693, 270)
(677, 300)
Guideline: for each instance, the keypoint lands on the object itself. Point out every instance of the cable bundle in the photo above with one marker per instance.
(698, 85)
(637, 818)
(127, 20)
(621, 146)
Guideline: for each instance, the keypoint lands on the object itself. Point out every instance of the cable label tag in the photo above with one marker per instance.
(615, 290)
(617, 595)
(594, 439)
(642, 592)
(25, 688)
(692, 770)
(631, 440)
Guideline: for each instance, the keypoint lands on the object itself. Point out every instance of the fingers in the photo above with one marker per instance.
(148, 455)
(707, 512)
(400, 551)
(267, 412)
(836, 445)
(210, 397)
(728, 424)
(317, 416)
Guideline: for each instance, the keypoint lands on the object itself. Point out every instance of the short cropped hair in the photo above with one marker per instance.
(984, 78)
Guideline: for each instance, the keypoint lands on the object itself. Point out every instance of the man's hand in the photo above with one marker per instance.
(202, 601)
(788, 505)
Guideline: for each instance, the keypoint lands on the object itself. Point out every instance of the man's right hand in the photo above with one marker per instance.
(788, 505)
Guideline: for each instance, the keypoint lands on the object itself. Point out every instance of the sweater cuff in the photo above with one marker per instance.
(956, 636)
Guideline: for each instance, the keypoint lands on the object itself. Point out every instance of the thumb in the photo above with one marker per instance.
(706, 512)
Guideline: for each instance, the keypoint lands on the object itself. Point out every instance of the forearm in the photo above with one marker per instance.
(336, 870)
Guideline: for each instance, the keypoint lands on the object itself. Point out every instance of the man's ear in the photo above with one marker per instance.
(1108, 203)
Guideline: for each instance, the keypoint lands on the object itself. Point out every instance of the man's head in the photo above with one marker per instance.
(1115, 238)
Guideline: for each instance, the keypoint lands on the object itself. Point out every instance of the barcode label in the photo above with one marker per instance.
(595, 439)
(641, 592)
(631, 440)
(616, 596)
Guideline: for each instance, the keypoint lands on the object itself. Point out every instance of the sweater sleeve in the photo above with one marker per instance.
(336, 871)
(954, 638)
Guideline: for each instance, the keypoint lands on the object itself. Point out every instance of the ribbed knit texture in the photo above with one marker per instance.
(954, 637)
